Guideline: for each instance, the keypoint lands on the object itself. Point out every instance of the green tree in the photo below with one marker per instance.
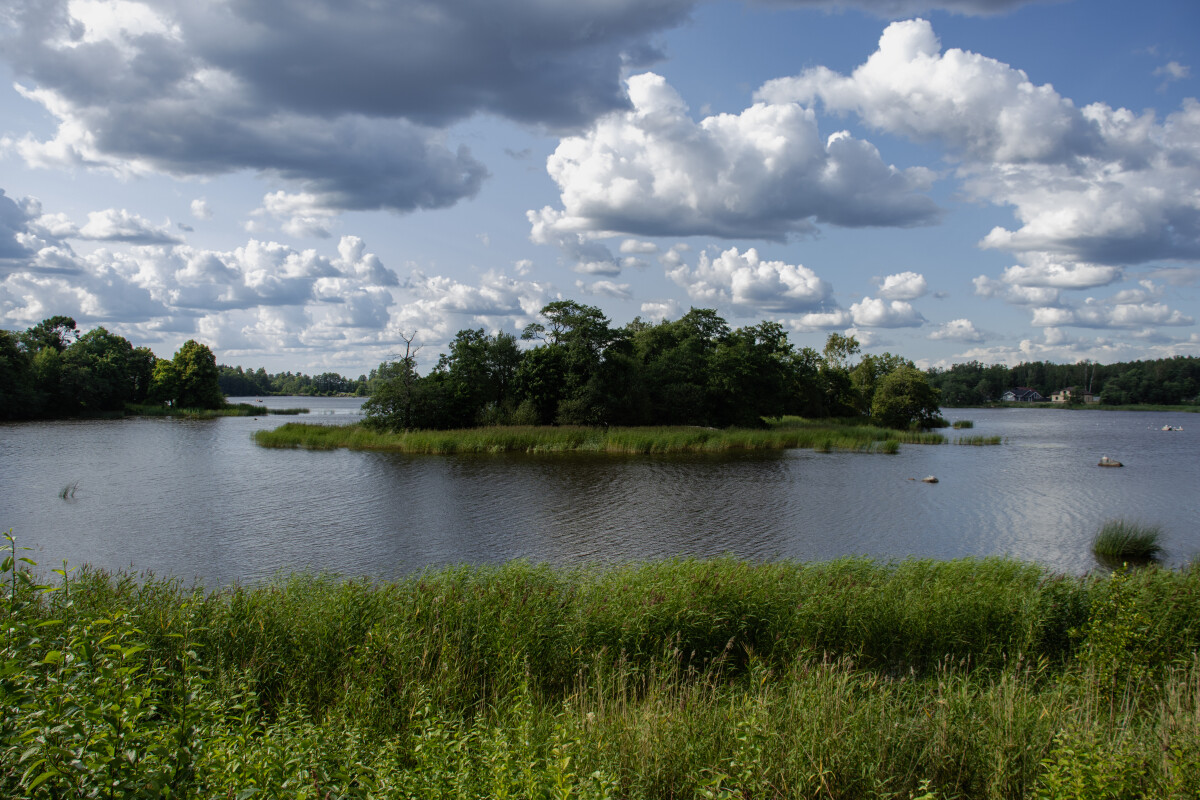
(190, 379)
(904, 398)
(16, 391)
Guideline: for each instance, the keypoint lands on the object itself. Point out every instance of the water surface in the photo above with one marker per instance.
(197, 498)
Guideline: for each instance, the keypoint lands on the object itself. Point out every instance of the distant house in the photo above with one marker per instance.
(1065, 395)
(1022, 394)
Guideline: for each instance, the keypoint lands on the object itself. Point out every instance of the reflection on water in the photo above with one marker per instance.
(196, 498)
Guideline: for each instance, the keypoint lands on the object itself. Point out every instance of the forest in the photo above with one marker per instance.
(1165, 381)
(53, 371)
(696, 370)
(241, 382)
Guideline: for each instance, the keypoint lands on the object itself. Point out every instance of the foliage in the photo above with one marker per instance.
(846, 679)
(903, 398)
(1165, 381)
(583, 371)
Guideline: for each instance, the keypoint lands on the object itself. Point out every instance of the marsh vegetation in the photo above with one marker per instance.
(981, 678)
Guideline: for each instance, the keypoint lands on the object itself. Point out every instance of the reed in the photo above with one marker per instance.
(566, 439)
(68, 491)
(978, 441)
(959, 424)
(680, 678)
(1121, 539)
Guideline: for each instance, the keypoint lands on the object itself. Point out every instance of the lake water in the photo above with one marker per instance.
(198, 499)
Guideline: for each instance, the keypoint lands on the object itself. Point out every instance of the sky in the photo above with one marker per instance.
(304, 186)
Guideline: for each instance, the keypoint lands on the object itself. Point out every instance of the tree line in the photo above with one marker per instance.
(696, 370)
(51, 370)
(1165, 381)
(241, 382)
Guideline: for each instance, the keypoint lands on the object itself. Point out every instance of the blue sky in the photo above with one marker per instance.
(303, 186)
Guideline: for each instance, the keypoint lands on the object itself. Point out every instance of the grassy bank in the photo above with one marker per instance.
(848, 679)
(783, 434)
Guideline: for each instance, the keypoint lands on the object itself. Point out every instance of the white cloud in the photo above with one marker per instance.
(976, 105)
(658, 310)
(634, 246)
(113, 225)
(1095, 184)
(201, 209)
(1053, 273)
(834, 319)
(1015, 294)
(1174, 71)
(874, 312)
(1097, 314)
(620, 291)
(957, 330)
(762, 173)
(903, 286)
(746, 281)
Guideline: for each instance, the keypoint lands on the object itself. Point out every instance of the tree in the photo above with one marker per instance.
(904, 398)
(190, 379)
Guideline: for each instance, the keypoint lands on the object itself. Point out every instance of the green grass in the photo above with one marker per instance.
(979, 678)
(959, 424)
(1119, 539)
(231, 410)
(785, 434)
(979, 440)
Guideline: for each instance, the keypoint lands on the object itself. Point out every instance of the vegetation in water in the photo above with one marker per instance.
(688, 679)
(787, 433)
(959, 424)
(979, 440)
(1122, 539)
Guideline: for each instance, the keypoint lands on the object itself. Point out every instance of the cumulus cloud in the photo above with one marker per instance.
(659, 310)
(1017, 295)
(746, 281)
(349, 101)
(827, 320)
(875, 312)
(620, 291)
(957, 330)
(119, 225)
(201, 209)
(14, 228)
(1098, 314)
(764, 173)
(976, 105)
(1053, 273)
(1094, 184)
(903, 286)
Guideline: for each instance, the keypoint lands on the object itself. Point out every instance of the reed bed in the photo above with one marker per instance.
(1122, 539)
(959, 424)
(979, 441)
(980, 678)
(566, 439)
(231, 410)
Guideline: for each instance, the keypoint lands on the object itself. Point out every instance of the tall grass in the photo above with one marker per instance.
(1120, 538)
(230, 410)
(978, 441)
(959, 424)
(647, 440)
(848, 679)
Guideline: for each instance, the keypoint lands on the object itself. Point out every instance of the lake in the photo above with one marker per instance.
(198, 499)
